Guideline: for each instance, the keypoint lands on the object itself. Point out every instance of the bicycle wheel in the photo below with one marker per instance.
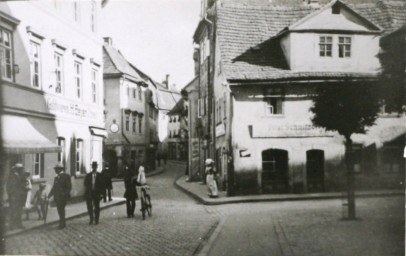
(148, 205)
(143, 206)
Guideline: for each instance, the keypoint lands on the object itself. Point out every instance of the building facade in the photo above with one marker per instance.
(52, 88)
(261, 83)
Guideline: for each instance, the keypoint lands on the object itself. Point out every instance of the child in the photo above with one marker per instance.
(39, 201)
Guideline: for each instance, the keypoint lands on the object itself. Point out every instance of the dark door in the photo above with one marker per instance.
(110, 157)
(315, 170)
(275, 171)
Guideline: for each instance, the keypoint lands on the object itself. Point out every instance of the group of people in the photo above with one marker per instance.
(97, 185)
(131, 181)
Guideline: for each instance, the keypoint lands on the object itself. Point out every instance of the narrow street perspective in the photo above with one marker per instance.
(203, 127)
(178, 226)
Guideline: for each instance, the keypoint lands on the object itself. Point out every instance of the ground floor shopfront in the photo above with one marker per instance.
(306, 164)
(118, 156)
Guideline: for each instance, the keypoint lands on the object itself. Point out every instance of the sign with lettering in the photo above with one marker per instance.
(290, 130)
(70, 108)
(220, 130)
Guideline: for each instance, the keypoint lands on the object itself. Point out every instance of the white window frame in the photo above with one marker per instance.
(323, 45)
(37, 165)
(78, 71)
(35, 64)
(59, 74)
(79, 156)
(95, 85)
(7, 71)
(61, 155)
(345, 46)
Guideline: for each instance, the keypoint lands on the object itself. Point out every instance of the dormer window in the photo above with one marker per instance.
(325, 45)
(344, 46)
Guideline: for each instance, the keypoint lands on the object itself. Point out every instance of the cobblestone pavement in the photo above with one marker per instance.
(312, 228)
(177, 226)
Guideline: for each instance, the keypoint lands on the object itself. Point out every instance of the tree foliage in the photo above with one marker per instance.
(346, 107)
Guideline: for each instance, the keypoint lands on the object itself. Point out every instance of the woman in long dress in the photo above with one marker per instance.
(28, 187)
(210, 181)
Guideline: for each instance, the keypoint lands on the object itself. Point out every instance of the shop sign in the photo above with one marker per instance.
(290, 130)
(220, 130)
(66, 107)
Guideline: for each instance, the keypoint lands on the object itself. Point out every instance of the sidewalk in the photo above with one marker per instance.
(199, 192)
(73, 210)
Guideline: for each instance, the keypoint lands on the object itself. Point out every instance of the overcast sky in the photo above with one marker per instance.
(154, 35)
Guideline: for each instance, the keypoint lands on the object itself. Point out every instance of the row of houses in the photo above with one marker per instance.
(257, 66)
(70, 97)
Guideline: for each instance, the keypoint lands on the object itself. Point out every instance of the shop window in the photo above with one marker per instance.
(61, 155)
(392, 158)
(38, 168)
(79, 157)
(35, 64)
(6, 49)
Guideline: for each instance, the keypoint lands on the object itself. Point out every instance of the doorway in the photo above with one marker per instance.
(275, 171)
(315, 170)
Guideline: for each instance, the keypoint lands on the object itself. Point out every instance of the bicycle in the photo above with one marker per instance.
(146, 205)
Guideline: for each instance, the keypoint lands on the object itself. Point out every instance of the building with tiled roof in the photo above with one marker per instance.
(258, 66)
(131, 114)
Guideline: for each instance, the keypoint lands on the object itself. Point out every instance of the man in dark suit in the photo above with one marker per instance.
(94, 189)
(17, 194)
(108, 183)
(61, 192)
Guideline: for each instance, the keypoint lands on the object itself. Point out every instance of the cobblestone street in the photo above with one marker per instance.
(177, 227)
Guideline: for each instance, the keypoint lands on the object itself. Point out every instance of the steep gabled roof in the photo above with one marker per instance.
(246, 32)
(114, 63)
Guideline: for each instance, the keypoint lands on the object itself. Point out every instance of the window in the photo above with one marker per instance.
(140, 93)
(35, 65)
(128, 90)
(61, 155)
(344, 46)
(58, 72)
(6, 62)
(79, 157)
(38, 168)
(140, 125)
(274, 101)
(325, 46)
(225, 105)
(76, 14)
(127, 122)
(78, 79)
(151, 112)
(94, 86)
(93, 17)
(134, 124)
(134, 93)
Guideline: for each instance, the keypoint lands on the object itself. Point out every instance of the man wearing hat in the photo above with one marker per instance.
(17, 194)
(94, 189)
(61, 192)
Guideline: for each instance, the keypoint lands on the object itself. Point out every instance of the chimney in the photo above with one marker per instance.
(167, 81)
(315, 4)
(108, 41)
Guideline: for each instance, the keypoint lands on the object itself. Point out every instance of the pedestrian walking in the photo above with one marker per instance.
(108, 183)
(61, 192)
(94, 189)
(39, 201)
(130, 193)
(210, 178)
(17, 195)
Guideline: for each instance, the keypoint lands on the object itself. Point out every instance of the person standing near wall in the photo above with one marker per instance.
(130, 193)
(108, 183)
(210, 178)
(61, 192)
(17, 194)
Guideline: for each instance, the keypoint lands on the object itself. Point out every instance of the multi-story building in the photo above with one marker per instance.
(259, 65)
(125, 115)
(52, 87)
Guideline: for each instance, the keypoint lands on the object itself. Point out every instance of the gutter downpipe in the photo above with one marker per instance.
(210, 92)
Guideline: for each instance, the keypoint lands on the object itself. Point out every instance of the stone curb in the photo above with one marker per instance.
(293, 197)
(57, 221)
